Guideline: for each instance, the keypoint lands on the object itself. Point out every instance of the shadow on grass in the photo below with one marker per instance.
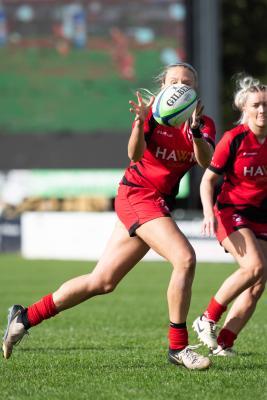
(218, 364)
(237, 367)
(128, 348)
(79, 348)
(242, 355)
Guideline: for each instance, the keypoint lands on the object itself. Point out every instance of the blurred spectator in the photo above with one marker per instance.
(74, 24)
(3, 26)
(62, 44)
(122, 57)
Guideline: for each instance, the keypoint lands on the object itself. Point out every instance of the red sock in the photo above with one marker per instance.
(226, 338)
(178, 338)
(214, 310)
(43, 309)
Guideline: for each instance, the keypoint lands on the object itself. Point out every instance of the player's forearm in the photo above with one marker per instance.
(137, 144)
(203, 152)
(207, 187)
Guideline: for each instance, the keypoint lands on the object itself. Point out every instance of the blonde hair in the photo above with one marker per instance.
(244, 86)
(160, 79)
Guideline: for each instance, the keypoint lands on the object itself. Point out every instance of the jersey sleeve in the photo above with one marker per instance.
(221, 156)
(208, 130)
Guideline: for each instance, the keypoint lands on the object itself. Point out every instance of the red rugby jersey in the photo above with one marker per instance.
(168, 156)
(243, 161)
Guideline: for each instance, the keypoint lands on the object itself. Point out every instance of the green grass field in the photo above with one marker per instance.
(43, 92)
(114, 347)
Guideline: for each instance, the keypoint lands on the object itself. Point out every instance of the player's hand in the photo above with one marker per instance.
(196, 116)
(140, 109)
(209, 225)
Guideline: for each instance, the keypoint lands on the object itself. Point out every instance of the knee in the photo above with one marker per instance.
(256, 274)
(256, 291)
(190, 261)
(103, 285)
(186, 262)
(107, 286)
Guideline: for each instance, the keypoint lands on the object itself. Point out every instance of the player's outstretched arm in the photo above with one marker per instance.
(202, 149)
(137, 144)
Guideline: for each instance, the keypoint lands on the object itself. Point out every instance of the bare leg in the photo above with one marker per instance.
(245, 304)
(248, 253)
(163, 236)
(244, 285)
(121, 254)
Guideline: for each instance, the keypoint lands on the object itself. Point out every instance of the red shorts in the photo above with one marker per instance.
(135, 206)
(229, 221)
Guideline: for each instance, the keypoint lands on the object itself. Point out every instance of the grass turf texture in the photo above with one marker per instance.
(43, 92)
(114, 346)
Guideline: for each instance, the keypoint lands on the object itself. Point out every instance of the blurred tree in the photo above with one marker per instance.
(244, 49)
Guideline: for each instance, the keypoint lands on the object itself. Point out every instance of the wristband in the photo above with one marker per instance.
(196, 133)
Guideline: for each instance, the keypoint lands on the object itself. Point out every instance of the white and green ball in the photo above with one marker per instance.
(174, 105)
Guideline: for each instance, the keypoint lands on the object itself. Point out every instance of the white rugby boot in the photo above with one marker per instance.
(223, 351)
(189, 359)
(15, 330)
(206, 332)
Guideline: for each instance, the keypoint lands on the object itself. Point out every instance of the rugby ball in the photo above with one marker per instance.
(174, 105)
